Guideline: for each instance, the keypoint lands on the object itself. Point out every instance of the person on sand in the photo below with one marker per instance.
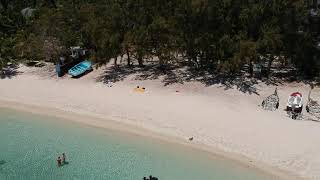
(59, 161)
(64, 158)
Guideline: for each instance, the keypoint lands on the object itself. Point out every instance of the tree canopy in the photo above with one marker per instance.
(220, 35)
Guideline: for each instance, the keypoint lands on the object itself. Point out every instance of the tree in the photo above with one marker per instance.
(221, 36)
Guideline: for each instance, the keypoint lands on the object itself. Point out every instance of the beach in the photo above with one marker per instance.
(223, 121)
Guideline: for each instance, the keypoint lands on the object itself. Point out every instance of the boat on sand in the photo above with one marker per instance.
(80, 68)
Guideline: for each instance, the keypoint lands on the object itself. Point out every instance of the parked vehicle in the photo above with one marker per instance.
(294, 105)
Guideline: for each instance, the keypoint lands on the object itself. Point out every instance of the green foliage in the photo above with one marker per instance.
(223, 35)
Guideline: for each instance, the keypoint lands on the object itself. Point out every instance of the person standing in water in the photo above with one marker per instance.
(59, 161)
(64, 158)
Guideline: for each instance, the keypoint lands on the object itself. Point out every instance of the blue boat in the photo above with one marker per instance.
(80, 68)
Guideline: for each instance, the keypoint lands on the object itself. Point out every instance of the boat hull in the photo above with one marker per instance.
(80, 68)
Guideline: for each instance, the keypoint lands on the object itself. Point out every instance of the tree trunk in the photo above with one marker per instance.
(251, 68)
(128, 57)
(162, 64)
(115, 61)
(34, 3)
(53, 3)
(161, 60)
(140, 61)
(269, 66)
(121, 58)
(4, 4)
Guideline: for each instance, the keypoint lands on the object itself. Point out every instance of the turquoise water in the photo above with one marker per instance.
(29, 145)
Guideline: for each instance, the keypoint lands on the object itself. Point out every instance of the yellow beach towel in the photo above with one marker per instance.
(140, 90)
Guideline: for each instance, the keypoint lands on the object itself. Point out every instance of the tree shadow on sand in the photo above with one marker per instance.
(9, 71)
(179, 75)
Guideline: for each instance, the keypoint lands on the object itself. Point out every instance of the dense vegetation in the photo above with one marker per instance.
(217, 35)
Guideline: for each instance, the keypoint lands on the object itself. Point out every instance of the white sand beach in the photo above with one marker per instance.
(224, 121)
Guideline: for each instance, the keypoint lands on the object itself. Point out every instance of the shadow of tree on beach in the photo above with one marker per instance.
(182, 73)
(9, 71)
(178, 75)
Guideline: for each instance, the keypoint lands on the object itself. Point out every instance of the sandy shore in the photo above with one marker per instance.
(226, 122)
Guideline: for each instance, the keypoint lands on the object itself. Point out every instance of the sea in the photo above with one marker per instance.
(30, 145)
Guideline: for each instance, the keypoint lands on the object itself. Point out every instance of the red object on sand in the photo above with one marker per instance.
(296, 94)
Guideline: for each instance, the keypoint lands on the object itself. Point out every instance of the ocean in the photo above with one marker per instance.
(30, 145)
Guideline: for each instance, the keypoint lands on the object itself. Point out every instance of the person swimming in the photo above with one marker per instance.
(150, 178)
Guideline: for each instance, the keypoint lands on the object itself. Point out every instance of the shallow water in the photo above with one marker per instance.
(30, 145)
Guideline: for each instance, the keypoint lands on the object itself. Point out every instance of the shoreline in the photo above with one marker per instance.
(130, 129)
(219, 119)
